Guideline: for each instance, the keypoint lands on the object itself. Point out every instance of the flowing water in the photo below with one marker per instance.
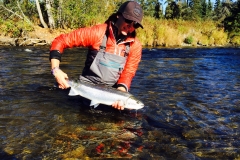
(192, 108)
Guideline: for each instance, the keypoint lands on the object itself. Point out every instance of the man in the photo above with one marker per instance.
(114, 51)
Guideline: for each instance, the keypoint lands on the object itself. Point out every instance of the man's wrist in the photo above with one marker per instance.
(54, 70)
(123, 86)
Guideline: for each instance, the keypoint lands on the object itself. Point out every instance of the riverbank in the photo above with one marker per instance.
(38, 37)
(44, 36)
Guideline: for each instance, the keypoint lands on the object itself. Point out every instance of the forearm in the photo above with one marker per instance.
(55, 63)
(131, 66)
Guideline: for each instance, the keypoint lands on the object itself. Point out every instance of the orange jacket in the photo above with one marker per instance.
(92, 37)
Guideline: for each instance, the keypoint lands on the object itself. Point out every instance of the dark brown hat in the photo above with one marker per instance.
(131, 10)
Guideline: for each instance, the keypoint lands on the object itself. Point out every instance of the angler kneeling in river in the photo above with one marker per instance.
(114, 51)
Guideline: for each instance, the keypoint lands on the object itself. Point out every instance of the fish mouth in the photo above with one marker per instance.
(137, 104)
(141, 106)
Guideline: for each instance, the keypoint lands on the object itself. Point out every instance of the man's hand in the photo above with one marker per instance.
(119, 104)
(60, 76)
(61, 79)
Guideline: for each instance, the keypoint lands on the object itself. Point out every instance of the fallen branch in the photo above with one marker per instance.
(30, 42)
(19, 16)
(22, 41)
(12, 12)
(24, 17)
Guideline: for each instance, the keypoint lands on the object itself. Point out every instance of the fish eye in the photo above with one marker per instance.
(139, 102)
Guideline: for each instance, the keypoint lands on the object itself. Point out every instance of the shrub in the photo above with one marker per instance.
(13, 29)
(220, 37)
(235, 40)
(188, 40)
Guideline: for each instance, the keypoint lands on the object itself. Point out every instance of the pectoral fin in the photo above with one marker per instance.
(94, 103)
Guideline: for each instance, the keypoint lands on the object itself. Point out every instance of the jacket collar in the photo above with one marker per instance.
(113, 33)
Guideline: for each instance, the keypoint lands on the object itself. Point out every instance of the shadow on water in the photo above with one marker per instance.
(191, 108)
(162, 125)
(6, 156)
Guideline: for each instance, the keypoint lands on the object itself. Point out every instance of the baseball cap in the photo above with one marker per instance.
(131, 10)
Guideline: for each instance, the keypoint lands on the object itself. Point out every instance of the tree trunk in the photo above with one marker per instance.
(40, 15)
(50, 15)
(60, 21)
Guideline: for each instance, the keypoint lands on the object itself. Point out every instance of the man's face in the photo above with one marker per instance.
(124, 26)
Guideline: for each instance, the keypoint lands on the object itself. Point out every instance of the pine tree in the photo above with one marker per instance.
(196, 9)
(204, 9)
(209, 9)
(172, 10)
(217, 8)
(232, 23)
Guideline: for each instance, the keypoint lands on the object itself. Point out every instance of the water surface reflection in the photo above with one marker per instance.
(192, 108)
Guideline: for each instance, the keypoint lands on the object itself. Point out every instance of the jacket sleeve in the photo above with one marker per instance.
(85, 37)
(131, 66)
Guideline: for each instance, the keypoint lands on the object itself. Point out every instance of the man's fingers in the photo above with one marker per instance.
(63, 85)
(118, 105)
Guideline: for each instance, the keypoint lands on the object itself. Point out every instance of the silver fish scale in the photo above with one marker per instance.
(104, 95)
(101, 94)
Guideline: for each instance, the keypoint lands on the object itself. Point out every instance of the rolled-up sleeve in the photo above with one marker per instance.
(131, 66)
(85, 37)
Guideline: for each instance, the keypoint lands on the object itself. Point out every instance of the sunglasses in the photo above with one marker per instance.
(135, 24)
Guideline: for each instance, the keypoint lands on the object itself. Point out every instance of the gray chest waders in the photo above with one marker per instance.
(106, 68)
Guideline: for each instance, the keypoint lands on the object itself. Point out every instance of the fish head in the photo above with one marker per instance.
(133, 103)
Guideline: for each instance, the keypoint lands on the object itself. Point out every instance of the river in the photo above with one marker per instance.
(191, 97)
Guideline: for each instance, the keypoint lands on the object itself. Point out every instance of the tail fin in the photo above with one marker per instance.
(70, 83)
(73, 92)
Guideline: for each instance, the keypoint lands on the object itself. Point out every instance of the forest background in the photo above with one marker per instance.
(166, 23)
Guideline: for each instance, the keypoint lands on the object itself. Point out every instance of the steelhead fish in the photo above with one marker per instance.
(100, 94)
